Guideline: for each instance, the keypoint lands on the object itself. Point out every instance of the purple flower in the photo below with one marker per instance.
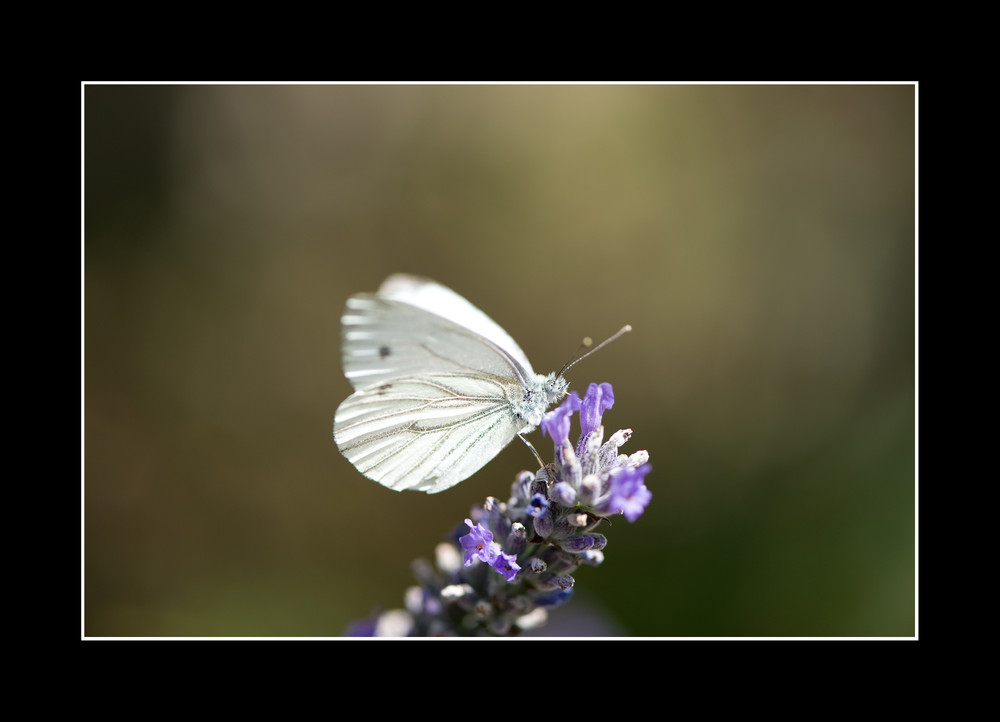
(599, 398)
(548, 524)
(361, 628)
(584, 542)
(629, 494)
(592, 476)
(537, 505)
(507, 565)
(478, 543)
(564, 493)
(554, 599)
(555, 424)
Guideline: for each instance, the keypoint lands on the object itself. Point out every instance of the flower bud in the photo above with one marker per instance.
(454, 592)
(638, 458)
(519, 489)
(496, 511)
(394, 623)
(521, 604)
(447, 558)
(551, 600)
(413, 600)
(517, 539)
(564, 529)
(563, 493)
(619, 438)
(551, 582)
(538, 504)
(561, 562)
(590, 489)
(533, 619)
(482, 609)
(543, 525)
(567, 464)
(583, 542)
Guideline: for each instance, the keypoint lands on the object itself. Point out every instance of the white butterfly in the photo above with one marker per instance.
(440, 388)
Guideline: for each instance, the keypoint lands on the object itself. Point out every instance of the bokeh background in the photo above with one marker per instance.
(759, 239)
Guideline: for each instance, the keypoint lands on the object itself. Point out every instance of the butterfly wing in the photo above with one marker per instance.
(385, 339)
(442, 301)
(426, 433)
(433, 396)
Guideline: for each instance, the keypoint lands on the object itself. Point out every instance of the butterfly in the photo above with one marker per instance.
(440, 388)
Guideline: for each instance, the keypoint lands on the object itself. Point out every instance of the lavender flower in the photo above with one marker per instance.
(507, 565)
(628, 492)
(479, 544)
(512, 560)
(538, 504)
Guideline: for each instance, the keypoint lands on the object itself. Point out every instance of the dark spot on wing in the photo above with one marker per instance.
(383, 351)
(384, 388)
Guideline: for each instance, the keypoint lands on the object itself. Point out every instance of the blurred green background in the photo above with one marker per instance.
(759, 239)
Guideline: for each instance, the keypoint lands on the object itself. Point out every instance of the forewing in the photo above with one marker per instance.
(386, 339)
(442, 301)
(428, 432)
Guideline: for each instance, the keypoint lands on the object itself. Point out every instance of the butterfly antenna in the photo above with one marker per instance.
(541, 464)
(586, 342)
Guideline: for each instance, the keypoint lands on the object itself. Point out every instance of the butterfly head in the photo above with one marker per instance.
(538, 397)
(554, 387)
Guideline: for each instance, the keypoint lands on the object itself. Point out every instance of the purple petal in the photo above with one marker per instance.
(555, 424)
(599, 399)
(507, 565)
(628, 491)
(478, 543)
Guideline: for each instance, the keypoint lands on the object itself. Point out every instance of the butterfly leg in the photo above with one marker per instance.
(541, 464)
